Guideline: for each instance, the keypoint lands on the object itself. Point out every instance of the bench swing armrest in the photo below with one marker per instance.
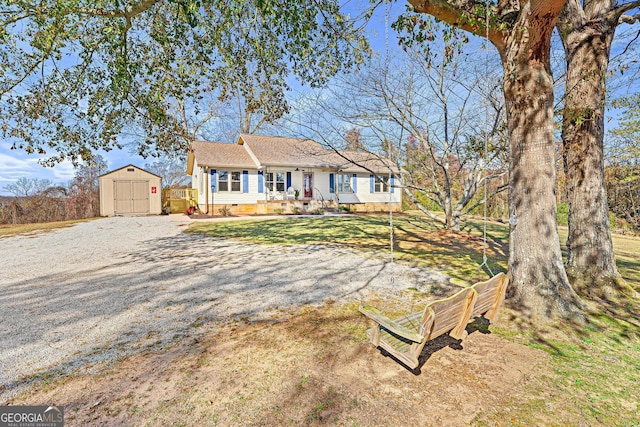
(382, 320)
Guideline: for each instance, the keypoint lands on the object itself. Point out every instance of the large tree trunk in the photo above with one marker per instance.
(590, 262)
(539, 284)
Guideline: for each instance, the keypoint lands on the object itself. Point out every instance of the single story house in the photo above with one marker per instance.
(267, 174)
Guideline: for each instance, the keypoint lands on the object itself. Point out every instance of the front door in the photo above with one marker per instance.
(308, 185)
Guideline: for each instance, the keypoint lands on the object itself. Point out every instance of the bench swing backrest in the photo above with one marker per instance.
(490, 296)
(449, 315)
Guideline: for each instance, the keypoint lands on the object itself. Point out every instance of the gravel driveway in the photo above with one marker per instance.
(76, 297)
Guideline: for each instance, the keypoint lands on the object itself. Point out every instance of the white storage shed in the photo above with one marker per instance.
(130, 190)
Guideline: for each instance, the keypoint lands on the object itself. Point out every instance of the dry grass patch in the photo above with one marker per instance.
(312, 366)
(12, 230)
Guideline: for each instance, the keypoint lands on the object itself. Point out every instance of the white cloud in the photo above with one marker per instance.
(63, 171)
(13, 167)
(18, 164)
(15, 164)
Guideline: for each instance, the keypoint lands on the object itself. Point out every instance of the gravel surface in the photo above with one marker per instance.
(77, 297)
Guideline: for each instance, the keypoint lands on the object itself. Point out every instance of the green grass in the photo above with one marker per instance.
(595, 376)
(562, 214)
(627, 250)
(415, 240)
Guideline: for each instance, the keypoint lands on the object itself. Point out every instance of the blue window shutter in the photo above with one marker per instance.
(260, 182)
(332, 183)
(214, 181)
(288, 181)
(245, 181)
(393, 182)
(372, 184)
(354, 183)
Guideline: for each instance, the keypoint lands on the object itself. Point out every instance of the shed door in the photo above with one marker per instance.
(131, 197)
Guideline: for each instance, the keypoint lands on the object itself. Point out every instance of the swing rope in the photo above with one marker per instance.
(485, 263)
(487, 124)
(394, 288)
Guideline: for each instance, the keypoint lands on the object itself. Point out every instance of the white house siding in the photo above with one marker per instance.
(238, 202)
(364, 195)
(321, 181)
(198, 183)
(247, 203)
(297, 180)
(231, 197)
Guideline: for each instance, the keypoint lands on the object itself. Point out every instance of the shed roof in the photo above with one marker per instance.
(130, 165)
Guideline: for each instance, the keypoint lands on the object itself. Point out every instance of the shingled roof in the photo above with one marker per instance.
(362, 161)
(291, 152)
(253, 151)
(219, 154)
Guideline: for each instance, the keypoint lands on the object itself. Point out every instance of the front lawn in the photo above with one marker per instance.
(596, 368)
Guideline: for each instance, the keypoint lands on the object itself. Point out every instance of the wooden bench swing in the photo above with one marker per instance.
(405, 337)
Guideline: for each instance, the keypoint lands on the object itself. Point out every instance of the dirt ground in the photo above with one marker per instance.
(311, 366)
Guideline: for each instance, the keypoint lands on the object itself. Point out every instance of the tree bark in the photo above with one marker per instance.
(587, 41)
(539, 286)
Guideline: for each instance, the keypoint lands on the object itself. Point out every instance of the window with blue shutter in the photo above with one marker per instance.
(245, 181)
(332, 183)
(214, 181)
(372, 184)
(260, 182)
(288, 180)
(354, 181)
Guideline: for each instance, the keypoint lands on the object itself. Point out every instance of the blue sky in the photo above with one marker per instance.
(15, 164)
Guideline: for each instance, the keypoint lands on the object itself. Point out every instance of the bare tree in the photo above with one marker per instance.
(171, 169)
(521, 33)
(431, 122)
(623, 155)
(354, 140)
(84, 190)
(25, 187)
